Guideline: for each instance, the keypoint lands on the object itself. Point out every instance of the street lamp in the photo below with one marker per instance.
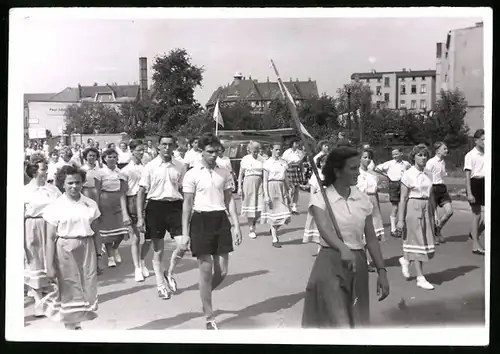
(349, 91)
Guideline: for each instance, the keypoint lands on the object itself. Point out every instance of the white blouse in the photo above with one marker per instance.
(350, 214)
(276, 169)
(313, 181)
(253, 167)
(91, 174)
(72, 218)
(418, 182)
(291, 156)
(36, 198)
(110, 179)
(367, 182)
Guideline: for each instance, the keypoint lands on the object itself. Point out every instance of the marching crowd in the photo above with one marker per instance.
(82, 202)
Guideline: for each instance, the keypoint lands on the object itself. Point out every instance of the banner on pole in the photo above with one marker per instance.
(217, 115)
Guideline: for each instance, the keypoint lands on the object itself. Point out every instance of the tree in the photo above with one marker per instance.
(319, 116)
(447, 123)
(361, 97)
(88, 117)
(175, 79)
(197, 124)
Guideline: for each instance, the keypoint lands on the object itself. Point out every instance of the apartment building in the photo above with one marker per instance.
(405, 89)
(460, 64)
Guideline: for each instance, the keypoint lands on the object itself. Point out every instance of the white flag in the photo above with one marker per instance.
(218, 115)
(292, 102)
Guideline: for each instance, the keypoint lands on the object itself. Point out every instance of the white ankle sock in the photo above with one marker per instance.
(393, 223)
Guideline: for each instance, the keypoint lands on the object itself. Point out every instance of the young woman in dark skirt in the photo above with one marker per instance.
(337, 292)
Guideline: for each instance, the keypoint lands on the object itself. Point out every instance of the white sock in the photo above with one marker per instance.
(393, 223)
(157, 267)
(143, 263)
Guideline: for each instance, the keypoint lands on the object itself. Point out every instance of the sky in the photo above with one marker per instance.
(67, 52)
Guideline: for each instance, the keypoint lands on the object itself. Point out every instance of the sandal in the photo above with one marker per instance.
(479, 252)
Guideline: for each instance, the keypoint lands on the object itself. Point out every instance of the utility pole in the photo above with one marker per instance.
(349, 127)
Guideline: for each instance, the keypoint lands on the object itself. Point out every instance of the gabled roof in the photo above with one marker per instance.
(130, 91)
(37, 96)
(253, 90)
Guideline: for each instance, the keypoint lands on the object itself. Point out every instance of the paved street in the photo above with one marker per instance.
(265, 287)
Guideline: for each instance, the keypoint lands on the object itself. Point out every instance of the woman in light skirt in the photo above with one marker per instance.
(114, 221)
(368, 184)
(250, 187)
(38, 194)
(276, 196)
(71, 252)
(416, 216)
(311, 232)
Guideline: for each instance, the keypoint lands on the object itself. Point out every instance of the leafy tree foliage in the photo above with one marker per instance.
(90, 117)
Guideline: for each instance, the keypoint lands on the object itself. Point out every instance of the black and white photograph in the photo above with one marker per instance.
(275, 174)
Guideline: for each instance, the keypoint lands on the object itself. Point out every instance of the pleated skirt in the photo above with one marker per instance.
(278, 213)
(111, 226)
(252, 204)
(418, 242)
(35, 264)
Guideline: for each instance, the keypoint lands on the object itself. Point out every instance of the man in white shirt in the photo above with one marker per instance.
(193, 156)
(474, 184)
(161, 181)
(133, 172)
(440, 197)
(205, 224)
(123, 155)
(394, 169)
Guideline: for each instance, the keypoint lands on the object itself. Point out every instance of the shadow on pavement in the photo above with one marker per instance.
(457, 238)
(297, 241)
(271, 305)
(230, 279)
(165, 323)
(282, 232)
(393, 261)
(449, 274)
(464, 310)
(119, 293)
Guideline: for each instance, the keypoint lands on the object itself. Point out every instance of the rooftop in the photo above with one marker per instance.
(405, 73)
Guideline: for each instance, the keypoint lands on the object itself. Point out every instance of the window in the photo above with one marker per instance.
(423, 88)
(423, 78)
(386, 82)
(413, 104)
(403, 79)
(379, 80)
(446, 78)
(386, 97)
(403, 89)
(423, 104)
(367, 81)
(378, 104)
(379, 90)
(403, 104)
(413, 78)
(413, 89)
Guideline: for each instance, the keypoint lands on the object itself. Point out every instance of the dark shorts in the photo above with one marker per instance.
(440, 193)
(163, 216)
(132, 208)
(394, 192)
(477, 188)
(210, 233)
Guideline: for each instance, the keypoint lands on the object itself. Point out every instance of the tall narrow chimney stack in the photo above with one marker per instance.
(143, 77)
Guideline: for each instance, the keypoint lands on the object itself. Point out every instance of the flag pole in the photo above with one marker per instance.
(309, 152)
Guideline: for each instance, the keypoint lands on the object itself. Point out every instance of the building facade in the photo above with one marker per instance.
(459, 64)
(260, 94)
(405, 89)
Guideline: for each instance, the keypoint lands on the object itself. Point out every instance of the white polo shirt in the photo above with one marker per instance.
(367, 182)
(418, 182)
(163, 180)
(350, 214)
(474, 162)
(437, 167)
(208, 186)
(192, 158)
(133, 173)
(224, 162)
(394, 169)
(252, 166)
(91, 174)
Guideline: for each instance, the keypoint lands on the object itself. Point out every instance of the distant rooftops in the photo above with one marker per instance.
(403, 73)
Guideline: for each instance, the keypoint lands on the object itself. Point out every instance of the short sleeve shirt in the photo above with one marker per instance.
(91, 174)
(418, 182)
(225, 162)
(291, 156)
(350, 213)
(110, 179)
(394, 169)
(72, 218)
(252, 166)
(133, 173)
(208, 186)
(163, 180)
(474, 162)
(437, 167)
(36, 198)
(367, 182)
(276, 169)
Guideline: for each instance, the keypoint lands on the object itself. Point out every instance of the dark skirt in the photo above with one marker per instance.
(336, 297)
(294, 174)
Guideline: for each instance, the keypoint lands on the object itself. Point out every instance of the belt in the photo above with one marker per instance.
(275, 180)
(371, 193)
(33, 217)
(422, 198)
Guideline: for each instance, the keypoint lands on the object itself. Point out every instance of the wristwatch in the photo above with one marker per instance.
(380, 269)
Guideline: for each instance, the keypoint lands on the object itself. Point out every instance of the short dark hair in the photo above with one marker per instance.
(418, 149)
(90, 149)
(369, 152)
(336, 160)
(67, 150)
(108, 152)
(109, 145)
(479, 133)
(438, 144)
(37, 157)
(33, 165)
(193, 138)
(294, 140)
(208, 139)
(65, 171)
(132, 144)
(167, 136)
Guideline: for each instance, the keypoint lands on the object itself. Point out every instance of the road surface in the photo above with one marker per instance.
(265, 286)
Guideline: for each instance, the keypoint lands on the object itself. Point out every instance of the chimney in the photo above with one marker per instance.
(290, 79)
(79, 92)
(268, 79)
(249, 77)
(439, 50)
(309, 79)
(237, 78)
(143, 77)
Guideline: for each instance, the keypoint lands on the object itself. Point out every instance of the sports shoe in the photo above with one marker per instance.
(163, 293)
(145, 271)
(118, 258)
(252, 235)
(138, 275)
(212, 325)
(404, 267)
(111, 262)
(424, 284)
(171, 282)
